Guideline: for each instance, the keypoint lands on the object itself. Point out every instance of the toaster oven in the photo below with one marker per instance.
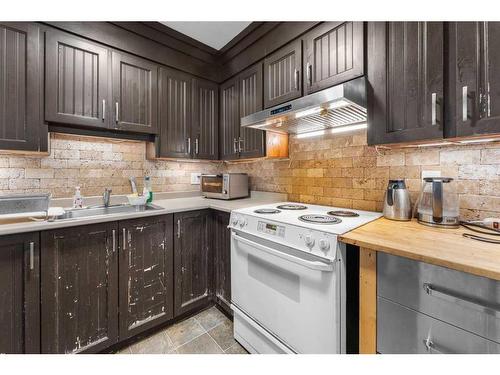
(224, 185)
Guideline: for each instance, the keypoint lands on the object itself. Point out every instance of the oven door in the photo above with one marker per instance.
(212, 185)
(291, 296)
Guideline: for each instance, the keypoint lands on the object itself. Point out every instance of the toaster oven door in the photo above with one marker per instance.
(212, 186)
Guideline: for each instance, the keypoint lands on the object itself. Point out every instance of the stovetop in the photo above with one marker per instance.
(342, 225)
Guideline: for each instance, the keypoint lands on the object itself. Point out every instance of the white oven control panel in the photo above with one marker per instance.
(272, 229)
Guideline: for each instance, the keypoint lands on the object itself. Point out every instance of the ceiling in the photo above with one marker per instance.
(212, 33)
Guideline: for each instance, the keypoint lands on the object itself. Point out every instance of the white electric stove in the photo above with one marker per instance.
(288, 276)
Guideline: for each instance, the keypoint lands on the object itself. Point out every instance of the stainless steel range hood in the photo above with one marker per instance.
(334, 107)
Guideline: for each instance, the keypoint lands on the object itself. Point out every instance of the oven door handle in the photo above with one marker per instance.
(318, 265)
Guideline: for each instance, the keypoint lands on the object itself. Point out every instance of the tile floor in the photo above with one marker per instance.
(209, 332)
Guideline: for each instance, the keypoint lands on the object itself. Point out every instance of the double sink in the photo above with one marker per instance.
(103, 210)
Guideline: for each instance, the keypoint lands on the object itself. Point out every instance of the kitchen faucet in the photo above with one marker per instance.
(106, 197)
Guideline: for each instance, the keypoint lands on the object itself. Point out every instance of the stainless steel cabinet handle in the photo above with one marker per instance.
(104, 109)
(309, 73)
(464, 104)
(196, 146)
(296, 79)
(179, 228)
(124, 238)
(431, 347)
(114, 241)
(462, 301)
(234, 145)
(117, 108)
(433, 108)
(189, 145)
(240, 140)
(32, 255)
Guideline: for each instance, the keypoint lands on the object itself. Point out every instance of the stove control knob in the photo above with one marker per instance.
(235, 220)
(324, 245)
(243, 222)
(309, 240)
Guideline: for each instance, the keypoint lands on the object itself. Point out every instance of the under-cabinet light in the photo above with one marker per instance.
(480, 140)
(311, 134)
(434, 144)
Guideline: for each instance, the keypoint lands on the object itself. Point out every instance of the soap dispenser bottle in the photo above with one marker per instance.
(148, 190)
(77, 198)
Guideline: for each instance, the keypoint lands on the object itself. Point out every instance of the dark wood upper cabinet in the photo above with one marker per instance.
(474, 78)
(21, 87)
(20, 294)
(79, 288)
(405, 81)
(146, 274)
(192, 260)
(76, 86)
(175, 111)
(229, 119)
(135, 94)
(222, 254)
(333, 53)
(251, 142)
(283, 74)
(205, 121)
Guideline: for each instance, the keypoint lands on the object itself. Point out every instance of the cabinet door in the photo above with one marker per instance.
(175, 107)
(474, 78)
(135, 94)
(333, 53)
(222, 253)
(21, 85)
(229, 120)
(405, 74)
(20, 294)
(146, 274)
(205, 130)
(76, 88)
(252, 142)
(79, 288)
(192, 265)
(283, 75)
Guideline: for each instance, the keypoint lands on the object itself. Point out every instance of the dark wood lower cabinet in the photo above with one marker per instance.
(146, 273)
(222, 255)
(19, 294)
(79, 288)
(192, 260)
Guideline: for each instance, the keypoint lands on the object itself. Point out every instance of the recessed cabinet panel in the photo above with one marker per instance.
(205, 119)
(20, 294)
(229, 120)
(21, 85)
(474, 78)
(333, 53)
(135, 94)
(76, 88)
(251, 142)
(79, 288)
(146, 273)
(405, 73)
(175, 110)
(192, 265)
(283, 75)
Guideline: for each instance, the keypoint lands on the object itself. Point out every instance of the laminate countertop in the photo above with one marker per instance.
(170, 202)
(442, 247)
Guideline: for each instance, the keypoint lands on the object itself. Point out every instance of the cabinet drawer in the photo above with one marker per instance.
(464, 300)
(401, 330)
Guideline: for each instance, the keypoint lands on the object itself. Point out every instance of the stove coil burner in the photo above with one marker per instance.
(292, 207)
(319, 219)
(343, 213)
(267, 211)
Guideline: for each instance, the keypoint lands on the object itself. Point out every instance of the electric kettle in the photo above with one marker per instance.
(438, 203)
(397, 205)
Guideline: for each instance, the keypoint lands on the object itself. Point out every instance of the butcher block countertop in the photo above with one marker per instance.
(442, 247)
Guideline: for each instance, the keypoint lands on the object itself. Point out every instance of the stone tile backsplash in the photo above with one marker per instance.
(341, 170)
(93, 164)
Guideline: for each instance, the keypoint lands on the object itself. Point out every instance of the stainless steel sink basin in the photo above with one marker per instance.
(101, 210)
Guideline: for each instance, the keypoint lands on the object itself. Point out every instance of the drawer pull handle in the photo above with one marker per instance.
(462, 301)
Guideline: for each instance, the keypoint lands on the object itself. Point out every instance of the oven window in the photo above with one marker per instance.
(211, 184)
